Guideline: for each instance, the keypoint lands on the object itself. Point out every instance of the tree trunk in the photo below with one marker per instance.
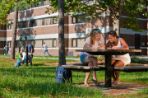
(120, 13)
(14, 30)
(61, 40)
(111, 21)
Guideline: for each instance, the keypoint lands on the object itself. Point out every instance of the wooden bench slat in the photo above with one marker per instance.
(135, 68)
(81, 67)
(137, 64)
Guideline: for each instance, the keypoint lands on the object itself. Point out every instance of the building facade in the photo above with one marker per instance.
(39, 27)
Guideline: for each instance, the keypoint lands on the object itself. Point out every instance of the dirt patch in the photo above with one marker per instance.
(119, 89)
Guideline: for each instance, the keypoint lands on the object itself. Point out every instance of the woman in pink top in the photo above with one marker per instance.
(95, 41)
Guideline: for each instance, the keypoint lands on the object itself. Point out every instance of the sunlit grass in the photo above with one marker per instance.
(38, 81)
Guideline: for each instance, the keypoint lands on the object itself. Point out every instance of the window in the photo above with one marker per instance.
(2, 27)
(43, 21)
(81, 42)
(22, 24)
(2, 43)
(54, 43)
(9, 25)
(32, 23)
(39, 22)
(78, 19)
(38, 43)
(74, 42)
(46, 21)
(73, 20)
(54, 20)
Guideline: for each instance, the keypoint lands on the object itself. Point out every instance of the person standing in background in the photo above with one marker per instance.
(6, 49)
(45, 49)
(30, 50)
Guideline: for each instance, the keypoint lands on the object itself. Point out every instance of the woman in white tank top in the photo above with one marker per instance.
(114, 42)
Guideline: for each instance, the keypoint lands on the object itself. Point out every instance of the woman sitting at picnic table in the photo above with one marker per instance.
(95, 41)
(115, 42)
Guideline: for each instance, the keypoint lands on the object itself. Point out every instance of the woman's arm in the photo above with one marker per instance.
(87, 46)
(124, 44)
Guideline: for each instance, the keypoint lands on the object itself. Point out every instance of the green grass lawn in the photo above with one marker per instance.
(38, 81)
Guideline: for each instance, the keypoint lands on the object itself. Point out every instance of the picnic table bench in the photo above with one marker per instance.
(133, 67)
(107, 66)
(83, 67)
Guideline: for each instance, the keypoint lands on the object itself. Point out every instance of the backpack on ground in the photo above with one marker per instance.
(62, 74)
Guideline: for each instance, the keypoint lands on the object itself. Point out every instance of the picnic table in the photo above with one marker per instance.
(108, 59)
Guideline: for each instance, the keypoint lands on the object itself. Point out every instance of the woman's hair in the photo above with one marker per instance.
(113, 33)
(93, 33)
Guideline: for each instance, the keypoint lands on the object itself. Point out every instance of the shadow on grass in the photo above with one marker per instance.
(53, 89)
(36, 72)
(38, 64)
(41, 82)
(141, 79)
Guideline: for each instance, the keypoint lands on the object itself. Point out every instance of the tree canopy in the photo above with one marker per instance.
(132, 8)
(7, 5)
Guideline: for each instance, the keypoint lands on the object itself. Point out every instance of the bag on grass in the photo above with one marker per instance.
(62, 74)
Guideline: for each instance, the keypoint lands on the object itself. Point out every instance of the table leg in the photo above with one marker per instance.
(108, 71)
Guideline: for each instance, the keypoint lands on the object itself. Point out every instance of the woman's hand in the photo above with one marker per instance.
(115, 47)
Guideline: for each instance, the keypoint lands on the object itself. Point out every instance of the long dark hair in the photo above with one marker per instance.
(113, 33)
(93, 33)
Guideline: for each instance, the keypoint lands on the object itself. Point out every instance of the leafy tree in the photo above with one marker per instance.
(115, 8)
(5, 6)
(94, 8)
(16, 5)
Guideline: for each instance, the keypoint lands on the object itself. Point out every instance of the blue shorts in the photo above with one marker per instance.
(83, 57)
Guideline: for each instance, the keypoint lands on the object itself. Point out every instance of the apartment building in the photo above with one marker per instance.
(37, 26)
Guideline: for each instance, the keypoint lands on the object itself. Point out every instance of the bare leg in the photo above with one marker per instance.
(116, 73)
(113, 63)
(94, 75)
(87, 75)
(94, 62)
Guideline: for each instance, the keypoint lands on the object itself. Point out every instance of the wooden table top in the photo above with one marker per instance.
(109, 51)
